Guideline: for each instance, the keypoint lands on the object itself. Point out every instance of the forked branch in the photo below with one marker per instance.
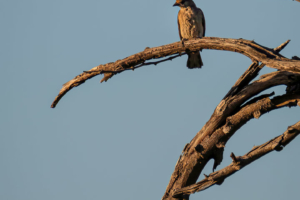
(241, 161)
(228, 116)
(211, 139)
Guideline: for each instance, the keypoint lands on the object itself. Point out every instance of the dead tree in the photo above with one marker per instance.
(244, 101)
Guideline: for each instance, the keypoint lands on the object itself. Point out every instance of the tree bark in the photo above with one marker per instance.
(228, 117)
(254, 51)
(239, 105)
(239, 162)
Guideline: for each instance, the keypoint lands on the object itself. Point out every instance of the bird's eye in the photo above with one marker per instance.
(183, 1)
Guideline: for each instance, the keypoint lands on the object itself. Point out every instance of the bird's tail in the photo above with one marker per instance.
(194, 60)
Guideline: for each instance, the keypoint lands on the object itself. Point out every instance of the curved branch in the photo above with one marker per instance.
(251, 73)
(248, 48)
(239, 162)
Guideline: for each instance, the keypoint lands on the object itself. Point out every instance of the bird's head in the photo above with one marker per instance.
(184, 3)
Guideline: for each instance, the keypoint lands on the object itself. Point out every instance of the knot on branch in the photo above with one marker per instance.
(277, 146)
(293, 88)
(221, 107)
(199, 148)
(106, 77)
(219, 182)
(236, 161)
(218, 154)
(291, 130)
(257, 114)
(228, 126)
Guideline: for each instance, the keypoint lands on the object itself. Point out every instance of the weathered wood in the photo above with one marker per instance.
(239, 162)
(203, 146)
(251, 73)
(191, 162)
(229, 115)
(250, 49)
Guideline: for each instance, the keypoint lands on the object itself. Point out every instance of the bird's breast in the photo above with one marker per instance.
(190, 24)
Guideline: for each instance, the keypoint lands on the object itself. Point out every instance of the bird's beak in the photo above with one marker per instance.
(176, 4)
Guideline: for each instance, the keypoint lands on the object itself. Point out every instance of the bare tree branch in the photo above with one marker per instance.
(207, 144)
(239, 162)
(251, 73)
(250, 49)
(230, 114)
(230, 104)
(191, 162)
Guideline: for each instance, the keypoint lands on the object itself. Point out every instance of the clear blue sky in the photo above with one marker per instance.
(121, 139)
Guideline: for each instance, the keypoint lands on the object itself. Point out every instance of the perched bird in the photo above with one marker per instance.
(191, 24)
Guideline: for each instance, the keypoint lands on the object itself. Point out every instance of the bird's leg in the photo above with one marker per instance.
(183, 40)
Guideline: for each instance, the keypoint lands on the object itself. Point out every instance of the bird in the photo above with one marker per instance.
(191, 24)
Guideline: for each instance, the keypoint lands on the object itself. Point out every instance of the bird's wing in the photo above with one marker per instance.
(201, 15)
